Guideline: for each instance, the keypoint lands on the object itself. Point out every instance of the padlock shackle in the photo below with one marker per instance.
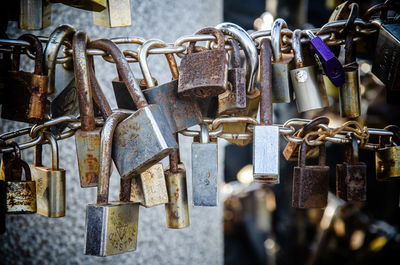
(54, 150)
(174, 158)
(266, 111)
(123, 69)
(303, 152)
(37, 49)
(105, 155)
(212, 31)
(383, 140)
(312, 125)
(81, 73)
(204, 134)
(296, 46)
(249, 48)
(124, 190)
(142, 58)
(235, 59)
(277, 26)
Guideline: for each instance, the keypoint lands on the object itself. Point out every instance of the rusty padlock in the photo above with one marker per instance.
(204, 74)
(387, 157)
(310, 183)
(351, 176)
(26, 92)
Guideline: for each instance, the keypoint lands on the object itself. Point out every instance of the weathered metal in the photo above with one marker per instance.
(116, 14)
(387, 157)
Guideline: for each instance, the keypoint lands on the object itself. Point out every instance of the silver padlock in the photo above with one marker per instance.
(309, 93)
(205, 170)
(266, 135)
(34, 14)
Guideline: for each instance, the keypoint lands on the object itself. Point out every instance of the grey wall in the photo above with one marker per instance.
(34, 239)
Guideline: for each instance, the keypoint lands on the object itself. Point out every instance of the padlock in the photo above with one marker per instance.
(386, 60)
(387, 157)
(21, 194)
(351, 176)
(204, 74)
(266, 135)
(144, 138)
(205, 170)
(111, 227)
(310, 183)
(26, 92)
(349, 92)
(3, 203)
(89, 5)
(116, 14)
(5, 67)
(291, 150)
(87, 138)
(50, 182)
(181, 113)
(309, 93)
(234, 98)
(282, 91)
(34, 14)
(177, 208)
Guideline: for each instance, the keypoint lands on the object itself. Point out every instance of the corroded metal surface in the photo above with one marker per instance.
(153, 186)
(349, 95)
(21, 197)
(35, 15)
(351, 182)
(387, 163)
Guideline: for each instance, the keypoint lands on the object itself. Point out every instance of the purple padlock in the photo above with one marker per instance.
(331, 65)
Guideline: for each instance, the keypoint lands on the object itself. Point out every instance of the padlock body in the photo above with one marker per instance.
(233, 99)
(386, 60)
(3, 203)
(181, 113)
(309, 93)
(310, 186)
(331, 89)
(351, 182)
(153, 186)
(387, 163)
(349, 96)
(116, 14)
(205, 174)
(266, 154)
(282, 91)
(177, 208)
(21, 197)
(34, 14)
(89, 5)
(141, 140)
(50, 191)
(111, 228)
(203, 74)
(88, 153)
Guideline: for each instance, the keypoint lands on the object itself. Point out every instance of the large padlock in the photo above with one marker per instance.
(310, 183)
(181, 113)
(116, 14)
(282, 63)
(111, 227)
(50, 182)
(26, 92)
(89, 5)
(204, 74)
(21, 194)
(266, 135)
(351, 176)
(386, 60)
(309, 93)
(34, 14)
(387, 157)
(145, 137)
(177, 208)
(234, 98)
(205, 170)
(87, 138)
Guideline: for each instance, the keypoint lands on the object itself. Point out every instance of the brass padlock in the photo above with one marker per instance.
(387, 157)
(310, 183)
(351, 176)
(116, 14)
(87, 138)
(26, 92)
(111, 227)
(204, 74)
(34, 14)
(50, 182)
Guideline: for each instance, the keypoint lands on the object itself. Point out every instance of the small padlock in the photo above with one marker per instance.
(144, 138)
(89, 5)
(21, 194)
(387, 157)
(111, 227)
(50, 182)
(205, 170)
(116, 14)
(87, 138)
(234, 98)
(26, 92)
(310, 183)
(309, 93)
(266, 135)
(34, 14)
(181, 113)
(204, 74)
(177, 208)
(282, 91)
(351, 176)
